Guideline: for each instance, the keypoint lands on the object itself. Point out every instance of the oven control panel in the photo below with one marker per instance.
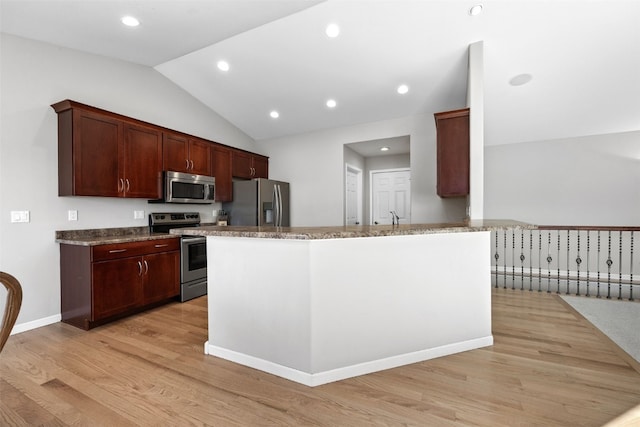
(174, 218)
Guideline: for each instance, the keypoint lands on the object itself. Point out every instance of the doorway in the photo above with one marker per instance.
(353, 195)
(390, 193)
(362, 158)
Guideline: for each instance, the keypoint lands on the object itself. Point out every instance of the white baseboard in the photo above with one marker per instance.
(27, 326)
(320, 378)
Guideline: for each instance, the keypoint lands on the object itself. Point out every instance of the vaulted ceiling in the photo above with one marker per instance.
(582, 58)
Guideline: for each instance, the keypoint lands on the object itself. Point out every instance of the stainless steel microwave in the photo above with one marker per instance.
(182, 187)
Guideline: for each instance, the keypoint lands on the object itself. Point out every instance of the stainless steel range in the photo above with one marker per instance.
(193, 251)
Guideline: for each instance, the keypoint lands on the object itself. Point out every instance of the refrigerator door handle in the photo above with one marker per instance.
(276, 204)
(279, 206)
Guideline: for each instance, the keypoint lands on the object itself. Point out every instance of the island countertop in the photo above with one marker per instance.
(343, 232)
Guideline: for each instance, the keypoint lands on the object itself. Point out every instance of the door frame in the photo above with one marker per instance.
(371, 189)
(359, 198)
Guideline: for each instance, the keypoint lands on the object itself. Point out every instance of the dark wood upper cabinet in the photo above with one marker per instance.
(100, 154)
(142, 162)
(89, 147)
(221, 160)
(452, 129)
(260, 167)
(247, 165)
(182, 153)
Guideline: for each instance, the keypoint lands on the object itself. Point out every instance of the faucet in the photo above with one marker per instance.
(395, 219)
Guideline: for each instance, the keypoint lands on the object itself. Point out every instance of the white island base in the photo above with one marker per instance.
(317, 311)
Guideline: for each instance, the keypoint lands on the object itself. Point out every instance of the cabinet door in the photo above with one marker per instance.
(161, 276)
(200, 157)
(96, 150)
(260, 167)
(117, 286)
(222, 171)
(142, 162)
(175, 152)
(241, 165)
(452, 129)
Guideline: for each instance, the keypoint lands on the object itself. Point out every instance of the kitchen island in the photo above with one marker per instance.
(316, 305)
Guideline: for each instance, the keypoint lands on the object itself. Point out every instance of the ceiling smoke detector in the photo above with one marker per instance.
(475, 10)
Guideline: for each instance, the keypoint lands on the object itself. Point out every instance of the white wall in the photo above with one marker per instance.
(314, 165)
(592, 180)
(35, 75)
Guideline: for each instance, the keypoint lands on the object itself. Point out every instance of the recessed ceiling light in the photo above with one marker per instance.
(402, 89)
(384, 149)
(520, 79)
(130, 21)
(332, 30)
(274, 114)
(475, 10)
(223, 65)
(331, 103)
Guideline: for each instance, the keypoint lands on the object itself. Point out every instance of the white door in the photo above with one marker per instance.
(391, 192)
(353, 196)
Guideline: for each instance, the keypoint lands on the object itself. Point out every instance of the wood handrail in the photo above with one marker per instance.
(14, 301)
(588, 227)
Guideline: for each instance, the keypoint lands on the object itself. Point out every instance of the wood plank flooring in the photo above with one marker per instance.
(548, 367)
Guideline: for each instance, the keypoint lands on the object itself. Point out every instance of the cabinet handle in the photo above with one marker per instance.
(187, 162)
(139, 268)
(161, 246)
(191, 164)
(127, 181)
(146, 267)
(120, 185)
(117, 251)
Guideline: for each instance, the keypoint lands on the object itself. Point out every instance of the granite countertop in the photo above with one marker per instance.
(338, 232)
(104, 236)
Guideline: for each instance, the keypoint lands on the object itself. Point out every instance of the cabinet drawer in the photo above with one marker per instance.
(123, 250)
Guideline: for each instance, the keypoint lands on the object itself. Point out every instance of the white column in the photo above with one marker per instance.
(475, 102)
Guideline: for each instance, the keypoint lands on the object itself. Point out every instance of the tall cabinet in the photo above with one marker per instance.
(452, 130)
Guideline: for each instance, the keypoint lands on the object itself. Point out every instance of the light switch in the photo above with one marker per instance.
(19, 216)
(138, 214)
(72, 215)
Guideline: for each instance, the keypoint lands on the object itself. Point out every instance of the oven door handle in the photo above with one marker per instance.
(194, 239)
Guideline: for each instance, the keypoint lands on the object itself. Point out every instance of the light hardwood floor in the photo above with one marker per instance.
(547, 367)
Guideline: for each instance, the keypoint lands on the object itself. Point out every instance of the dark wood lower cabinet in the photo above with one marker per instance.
(117, 287)
(105, 282)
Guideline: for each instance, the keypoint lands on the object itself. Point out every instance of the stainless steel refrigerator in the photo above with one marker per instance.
(260, 201)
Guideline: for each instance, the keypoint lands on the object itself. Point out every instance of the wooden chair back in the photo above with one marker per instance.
(11, 310)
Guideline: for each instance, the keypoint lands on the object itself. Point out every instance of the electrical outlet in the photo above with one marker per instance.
(72, 215)
(138, 214)
(215, 214)
(19, 216)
